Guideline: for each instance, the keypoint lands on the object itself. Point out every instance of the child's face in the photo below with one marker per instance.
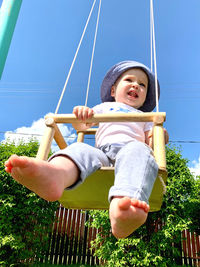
(131, 88)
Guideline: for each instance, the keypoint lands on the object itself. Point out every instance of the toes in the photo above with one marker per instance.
(124, 203)
(17, 161)
(8, 169)
(147, 208)
(8, 166)
(144, 206)
(134, 202)
(140, 204)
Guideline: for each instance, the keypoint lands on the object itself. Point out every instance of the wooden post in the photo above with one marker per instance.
(45, 145)
(80, 137)
(58, 137)
(159, 142)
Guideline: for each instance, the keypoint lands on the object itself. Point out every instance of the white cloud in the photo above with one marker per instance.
(195, 169)
(36, 131)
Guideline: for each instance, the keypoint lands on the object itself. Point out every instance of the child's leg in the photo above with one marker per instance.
(135, 173)
(47, 179)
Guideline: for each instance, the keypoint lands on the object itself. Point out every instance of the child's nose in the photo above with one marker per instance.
(135, 85)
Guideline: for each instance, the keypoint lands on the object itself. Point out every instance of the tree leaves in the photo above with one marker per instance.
(145, 247)
(25, 219)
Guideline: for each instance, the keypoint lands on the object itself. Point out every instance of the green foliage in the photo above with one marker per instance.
(183, 191)
(24, 217)
(147, 247)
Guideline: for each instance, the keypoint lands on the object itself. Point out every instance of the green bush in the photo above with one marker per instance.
(25, 219)
(145, 247)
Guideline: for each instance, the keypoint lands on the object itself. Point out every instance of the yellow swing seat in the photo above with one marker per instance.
(93, 193)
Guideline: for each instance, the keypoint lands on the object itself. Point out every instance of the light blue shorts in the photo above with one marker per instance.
(135, 166)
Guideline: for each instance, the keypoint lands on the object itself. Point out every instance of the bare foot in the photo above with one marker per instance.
(46, 179)
(126, 215)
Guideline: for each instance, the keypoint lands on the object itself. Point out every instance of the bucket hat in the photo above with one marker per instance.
(114, 73)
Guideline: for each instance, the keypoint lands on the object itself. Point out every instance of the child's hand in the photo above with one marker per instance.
(149, 137)
(82, 113)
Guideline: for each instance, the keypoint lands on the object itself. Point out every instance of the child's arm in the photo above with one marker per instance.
(149, 137)
(82, 113)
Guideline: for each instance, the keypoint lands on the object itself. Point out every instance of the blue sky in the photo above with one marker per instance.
(44, 43)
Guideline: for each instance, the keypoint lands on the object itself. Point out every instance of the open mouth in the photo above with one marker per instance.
(132, 93)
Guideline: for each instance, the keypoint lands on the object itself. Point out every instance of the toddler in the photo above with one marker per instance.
(128, 86)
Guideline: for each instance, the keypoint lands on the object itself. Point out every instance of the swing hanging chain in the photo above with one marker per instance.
(153, 51)
(92, 57)
(72, 65)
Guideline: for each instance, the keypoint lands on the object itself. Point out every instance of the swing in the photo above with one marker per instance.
(93, 193)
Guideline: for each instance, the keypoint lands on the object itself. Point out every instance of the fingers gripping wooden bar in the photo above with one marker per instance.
(108, 117)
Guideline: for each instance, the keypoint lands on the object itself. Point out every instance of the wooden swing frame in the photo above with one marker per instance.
(93, 193)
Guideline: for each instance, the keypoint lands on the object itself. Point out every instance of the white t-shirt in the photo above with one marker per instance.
(119, 132)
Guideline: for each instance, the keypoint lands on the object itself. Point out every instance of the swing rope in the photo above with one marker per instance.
(72, 65)
(92, 57)
(153, 51)
(151, 38)
(153, 54)
(153, 61)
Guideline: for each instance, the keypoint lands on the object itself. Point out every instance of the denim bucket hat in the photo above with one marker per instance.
(114, 73)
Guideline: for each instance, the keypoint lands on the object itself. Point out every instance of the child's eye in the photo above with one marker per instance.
(142, 84)
(128, 80)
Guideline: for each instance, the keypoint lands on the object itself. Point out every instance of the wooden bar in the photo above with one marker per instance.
(76, 236)
(67, 241)
(72, 233)
(194, 250)
(109, 117)
(85, 238)
(198, 248)
(81, 239)
(53, 241)
(189, 254)
(184, 244)
(63, 235)
(90, 131)
(59, 234)
(89, 255)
